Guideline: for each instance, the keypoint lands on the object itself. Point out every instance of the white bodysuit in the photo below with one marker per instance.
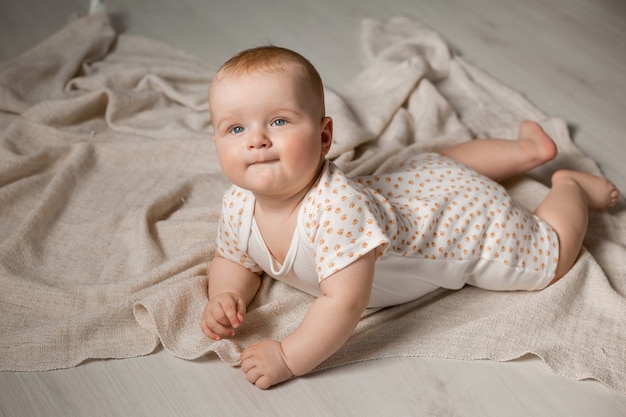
(433, 223)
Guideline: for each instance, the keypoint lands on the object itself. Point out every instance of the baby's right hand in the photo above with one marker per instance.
(222, 315)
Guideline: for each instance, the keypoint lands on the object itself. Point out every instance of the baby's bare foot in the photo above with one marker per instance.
(601, 193)
(536, 142)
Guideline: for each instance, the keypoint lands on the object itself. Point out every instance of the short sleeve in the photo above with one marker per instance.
(341, 223)
(234, 228)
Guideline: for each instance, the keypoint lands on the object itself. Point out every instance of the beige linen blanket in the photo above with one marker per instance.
(110, 194)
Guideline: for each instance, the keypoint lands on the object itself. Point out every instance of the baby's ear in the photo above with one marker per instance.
(327, 134)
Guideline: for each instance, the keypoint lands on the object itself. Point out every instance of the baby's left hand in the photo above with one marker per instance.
(264, 364)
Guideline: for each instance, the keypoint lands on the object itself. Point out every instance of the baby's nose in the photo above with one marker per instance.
(259, 140)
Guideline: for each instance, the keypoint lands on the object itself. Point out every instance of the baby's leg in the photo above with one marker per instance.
(500, 159)
(566, 209)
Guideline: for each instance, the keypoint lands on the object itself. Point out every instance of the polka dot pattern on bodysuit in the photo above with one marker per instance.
(431, 209)
(448, 211)
(341, 223)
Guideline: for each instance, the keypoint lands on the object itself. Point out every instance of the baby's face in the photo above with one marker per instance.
(269, 134)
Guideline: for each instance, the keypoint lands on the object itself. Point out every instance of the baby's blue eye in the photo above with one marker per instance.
(236, 129)
(279, 122)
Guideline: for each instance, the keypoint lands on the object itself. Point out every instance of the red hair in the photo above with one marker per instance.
(273, 58)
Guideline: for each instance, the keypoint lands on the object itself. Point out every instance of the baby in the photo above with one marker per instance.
(440, 220)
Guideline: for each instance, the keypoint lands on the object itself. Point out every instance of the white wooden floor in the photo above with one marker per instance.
(567, 56)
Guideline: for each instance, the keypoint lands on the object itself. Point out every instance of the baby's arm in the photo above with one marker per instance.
(327, 325)
(231, 288)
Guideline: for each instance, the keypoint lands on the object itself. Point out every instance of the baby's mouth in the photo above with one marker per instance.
(264, 161)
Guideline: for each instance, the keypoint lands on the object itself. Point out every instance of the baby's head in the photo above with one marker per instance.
(269, 125)
(273, 59)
